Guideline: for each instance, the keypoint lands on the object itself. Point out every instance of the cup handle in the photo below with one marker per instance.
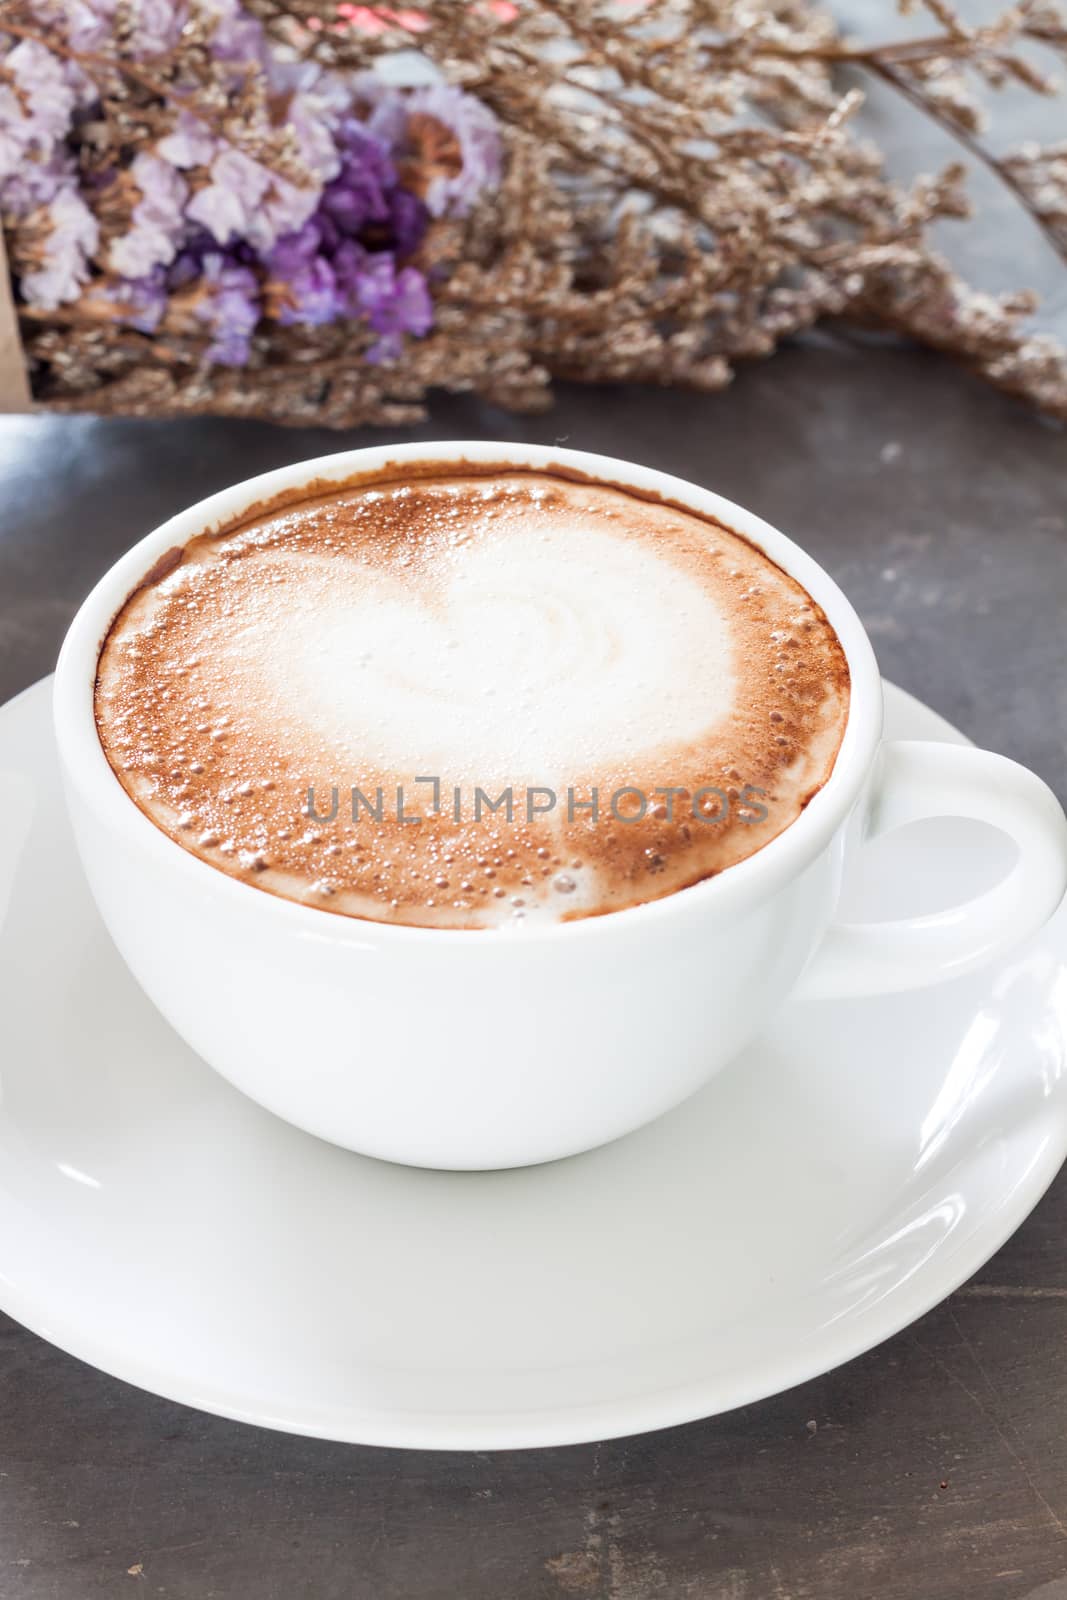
(918, 779)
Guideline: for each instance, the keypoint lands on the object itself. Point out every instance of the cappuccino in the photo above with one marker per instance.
(466, 698)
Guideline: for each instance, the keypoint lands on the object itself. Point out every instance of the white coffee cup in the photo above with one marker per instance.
(443, 1048)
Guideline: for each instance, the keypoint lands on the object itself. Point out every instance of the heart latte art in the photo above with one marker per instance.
(461, 700)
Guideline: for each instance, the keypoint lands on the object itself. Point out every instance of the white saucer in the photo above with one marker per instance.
(829, 1187)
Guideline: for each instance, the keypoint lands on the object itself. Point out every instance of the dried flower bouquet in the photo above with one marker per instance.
(249, 207)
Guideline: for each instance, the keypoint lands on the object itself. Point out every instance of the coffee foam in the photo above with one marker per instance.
(515, 630)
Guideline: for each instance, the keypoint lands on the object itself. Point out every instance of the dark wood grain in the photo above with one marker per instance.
(934, 1466)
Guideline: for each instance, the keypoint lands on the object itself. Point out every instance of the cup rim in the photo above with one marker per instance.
(91, 778)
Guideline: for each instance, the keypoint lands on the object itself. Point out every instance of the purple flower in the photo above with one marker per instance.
(293, 253)
(244, 200)
(190, 144)
(188, 264)
(230, 308)
(394, 303)
(313, 295)
(359, 193)
(157, 222)
(140, 302)
(47, 192)
(303, 284)
(48, 94)
(365, 200)
(478, 136)
(385, 110)
(226, 206)
(237, 36)
(89, 22)
(408, 219)
(13, 132)
(64, 265)
(311, 125)
(284, 208)
(344, 261)
(317, 102)
(349, 260)
(36, 183)
(37, 108)
(159, 25)
(158, 28)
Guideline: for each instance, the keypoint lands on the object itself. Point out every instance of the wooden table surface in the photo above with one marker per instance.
(934, 1466)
